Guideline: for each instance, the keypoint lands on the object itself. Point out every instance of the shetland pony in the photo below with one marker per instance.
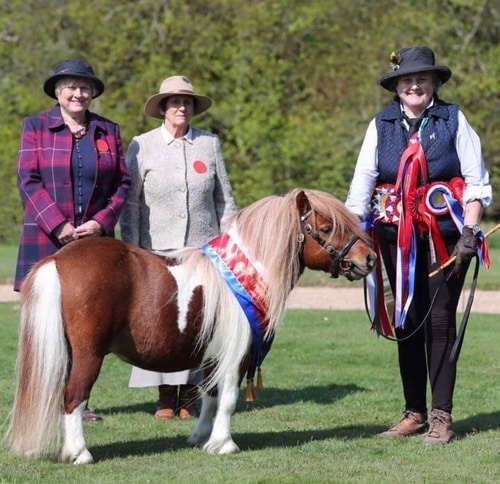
(100, 295)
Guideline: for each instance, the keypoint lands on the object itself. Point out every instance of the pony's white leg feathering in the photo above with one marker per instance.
(74, 448)
(42, 366)
(220, 441)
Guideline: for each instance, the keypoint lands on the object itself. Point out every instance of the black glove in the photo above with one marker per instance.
(465, 249)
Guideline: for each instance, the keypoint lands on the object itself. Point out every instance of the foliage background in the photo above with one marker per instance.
(294, 83)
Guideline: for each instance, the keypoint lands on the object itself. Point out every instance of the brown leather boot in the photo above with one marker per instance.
(440, 431)
(188, 395)
(167, 402)
(409, 424)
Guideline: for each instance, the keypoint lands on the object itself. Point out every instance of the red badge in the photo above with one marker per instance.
(101, 145)
(199, 166)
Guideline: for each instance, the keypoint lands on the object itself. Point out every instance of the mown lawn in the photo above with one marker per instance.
(330, 386)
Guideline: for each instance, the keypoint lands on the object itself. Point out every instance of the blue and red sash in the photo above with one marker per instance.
(249, 288)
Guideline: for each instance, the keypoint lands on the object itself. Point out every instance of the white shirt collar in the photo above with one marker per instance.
(167, 136)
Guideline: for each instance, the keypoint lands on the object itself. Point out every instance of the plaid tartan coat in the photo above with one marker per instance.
(45, 184)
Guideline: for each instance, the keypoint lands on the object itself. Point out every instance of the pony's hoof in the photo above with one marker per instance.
(196, 441)
(228, 447)
(84, 457)
(199, 437)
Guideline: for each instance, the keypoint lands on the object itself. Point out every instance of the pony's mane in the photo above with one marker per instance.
(270, 229)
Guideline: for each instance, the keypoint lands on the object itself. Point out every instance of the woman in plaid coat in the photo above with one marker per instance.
(72, 176)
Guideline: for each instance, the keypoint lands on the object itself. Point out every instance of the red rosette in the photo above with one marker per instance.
(416, 209)
(102, 146)
(199, 166)
(457, 185)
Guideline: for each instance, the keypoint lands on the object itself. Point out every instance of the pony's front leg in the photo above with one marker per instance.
(204, 424)
(220, 441)
(74, 448)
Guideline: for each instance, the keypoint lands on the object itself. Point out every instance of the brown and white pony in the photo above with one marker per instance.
(99, 296)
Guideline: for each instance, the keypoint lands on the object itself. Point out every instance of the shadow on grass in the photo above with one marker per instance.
(248, 441)
(267, 398)
(477, 423)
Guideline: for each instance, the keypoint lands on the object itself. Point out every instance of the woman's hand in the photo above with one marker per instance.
(89, 229)
(465, 249)
(65, 233)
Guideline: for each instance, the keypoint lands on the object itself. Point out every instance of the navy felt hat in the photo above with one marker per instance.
(410, 60)
(72, 68)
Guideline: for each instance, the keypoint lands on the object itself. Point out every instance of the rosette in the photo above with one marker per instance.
(457, 185)
(386, 204)
(416, 210)
(435, 201)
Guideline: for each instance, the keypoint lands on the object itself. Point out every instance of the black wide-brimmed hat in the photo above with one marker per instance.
(73, 68)
(410, 60)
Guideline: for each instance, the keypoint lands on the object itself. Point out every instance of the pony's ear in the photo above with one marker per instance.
(303, 203)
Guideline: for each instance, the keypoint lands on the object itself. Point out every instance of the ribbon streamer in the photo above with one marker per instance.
(412, 166)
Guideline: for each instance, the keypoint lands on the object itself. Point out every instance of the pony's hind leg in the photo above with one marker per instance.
(84, 371)
(220, 440)
(74, 447)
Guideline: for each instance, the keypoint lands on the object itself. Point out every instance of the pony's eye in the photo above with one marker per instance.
(326, 230)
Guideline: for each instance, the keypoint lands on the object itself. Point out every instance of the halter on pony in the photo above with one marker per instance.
(338, 257)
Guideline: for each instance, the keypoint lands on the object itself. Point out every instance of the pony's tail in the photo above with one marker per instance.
(42, 365)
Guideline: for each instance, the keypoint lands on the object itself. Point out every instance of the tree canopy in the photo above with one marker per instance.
(294, 83)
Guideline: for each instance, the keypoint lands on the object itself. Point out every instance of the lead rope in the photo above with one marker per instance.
(455, 351)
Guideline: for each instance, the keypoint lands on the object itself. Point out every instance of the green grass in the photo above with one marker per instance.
(8, 257)
(330, 386)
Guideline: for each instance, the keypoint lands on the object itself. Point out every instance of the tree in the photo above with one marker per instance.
(294, 83)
